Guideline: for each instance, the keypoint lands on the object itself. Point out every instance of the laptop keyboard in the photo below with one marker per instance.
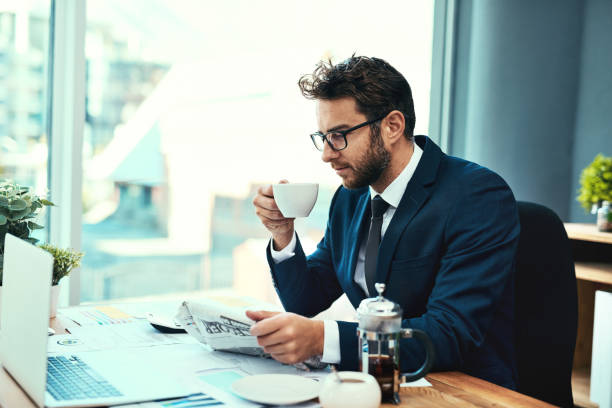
(69, 378)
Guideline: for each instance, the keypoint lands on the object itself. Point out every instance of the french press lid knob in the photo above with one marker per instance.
(380, 288)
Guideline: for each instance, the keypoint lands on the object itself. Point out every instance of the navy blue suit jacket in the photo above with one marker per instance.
(447, 258)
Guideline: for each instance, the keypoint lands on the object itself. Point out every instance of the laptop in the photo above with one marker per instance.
(84, 379)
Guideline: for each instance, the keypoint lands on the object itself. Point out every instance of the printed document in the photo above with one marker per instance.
(221, 322)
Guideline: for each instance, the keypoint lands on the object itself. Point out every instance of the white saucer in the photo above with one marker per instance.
(276, 389)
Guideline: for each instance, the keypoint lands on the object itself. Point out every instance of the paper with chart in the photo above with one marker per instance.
(221, 323)
(92, 338)
(190, 401)
(97, 316)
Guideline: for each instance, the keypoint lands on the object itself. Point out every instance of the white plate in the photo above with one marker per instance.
(276, 389)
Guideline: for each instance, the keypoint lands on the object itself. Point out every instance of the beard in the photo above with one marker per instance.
(371, 165)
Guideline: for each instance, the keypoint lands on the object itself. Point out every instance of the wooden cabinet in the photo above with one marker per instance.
(592, 252)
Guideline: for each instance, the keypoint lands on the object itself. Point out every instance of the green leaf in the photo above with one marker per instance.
(17, 215)
(18, 229)
(17, 204)
(46, 202)
(4, 201)
(34, 226)
(3, 219)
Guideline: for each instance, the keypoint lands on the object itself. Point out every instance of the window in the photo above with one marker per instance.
(24, 28)
(24, 44)
(190, 106)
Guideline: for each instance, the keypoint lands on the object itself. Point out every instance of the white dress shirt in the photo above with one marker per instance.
(392, 195)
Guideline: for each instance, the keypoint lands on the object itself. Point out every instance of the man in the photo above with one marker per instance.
(448, 236)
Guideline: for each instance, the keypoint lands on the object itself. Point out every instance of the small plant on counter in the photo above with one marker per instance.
(596, 183)
(64, 261)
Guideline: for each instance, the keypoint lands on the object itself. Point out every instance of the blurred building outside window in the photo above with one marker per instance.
(24, 44)
(190, 107)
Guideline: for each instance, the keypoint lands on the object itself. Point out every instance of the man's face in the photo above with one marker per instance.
(365, 158)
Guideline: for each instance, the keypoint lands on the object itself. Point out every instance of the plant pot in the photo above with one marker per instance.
(55, 289)
(604, 217)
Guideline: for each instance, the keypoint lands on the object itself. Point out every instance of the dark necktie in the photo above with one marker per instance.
(379, 206)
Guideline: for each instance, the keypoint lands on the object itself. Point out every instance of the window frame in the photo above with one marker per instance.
(442, 72)
(65, 129)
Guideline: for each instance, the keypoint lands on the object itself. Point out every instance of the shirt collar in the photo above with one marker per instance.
(395, 191)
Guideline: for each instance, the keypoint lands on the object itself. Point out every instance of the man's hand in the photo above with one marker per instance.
(288, 337)
(271, 217)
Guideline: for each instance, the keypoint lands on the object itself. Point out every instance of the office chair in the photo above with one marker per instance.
(546, 306)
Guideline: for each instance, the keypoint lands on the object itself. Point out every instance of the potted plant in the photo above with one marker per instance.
(64, 261)
(18, 208)
(596, 188)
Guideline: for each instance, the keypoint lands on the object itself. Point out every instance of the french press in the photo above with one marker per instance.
(380, 330)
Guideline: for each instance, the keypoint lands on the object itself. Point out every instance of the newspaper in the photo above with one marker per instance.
(221, 322)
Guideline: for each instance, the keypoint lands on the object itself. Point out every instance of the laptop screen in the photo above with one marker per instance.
(24, 315)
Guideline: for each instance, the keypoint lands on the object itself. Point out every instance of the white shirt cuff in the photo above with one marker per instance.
(285, 253)
(331, 342)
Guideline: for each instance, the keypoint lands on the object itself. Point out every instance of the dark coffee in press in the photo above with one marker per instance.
(386, 372)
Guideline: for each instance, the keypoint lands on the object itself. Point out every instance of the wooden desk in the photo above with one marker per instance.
(592, 252)
(454, 389)
(450, 390)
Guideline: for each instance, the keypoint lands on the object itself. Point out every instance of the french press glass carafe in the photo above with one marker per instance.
(380, 330)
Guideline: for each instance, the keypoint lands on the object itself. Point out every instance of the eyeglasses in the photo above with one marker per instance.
(336, 139)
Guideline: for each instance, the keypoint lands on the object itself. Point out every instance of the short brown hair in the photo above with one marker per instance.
(377, 87)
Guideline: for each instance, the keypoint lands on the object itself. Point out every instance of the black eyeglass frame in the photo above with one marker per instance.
(323, 136)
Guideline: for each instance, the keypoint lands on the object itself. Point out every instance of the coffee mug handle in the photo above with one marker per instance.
(430, 353)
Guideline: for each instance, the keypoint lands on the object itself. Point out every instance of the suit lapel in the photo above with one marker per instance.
(417, 192)
(358, 227)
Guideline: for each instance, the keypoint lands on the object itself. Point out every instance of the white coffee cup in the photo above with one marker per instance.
(356, 390)
(295, 199)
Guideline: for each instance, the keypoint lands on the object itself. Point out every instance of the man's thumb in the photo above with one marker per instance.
(258, 315)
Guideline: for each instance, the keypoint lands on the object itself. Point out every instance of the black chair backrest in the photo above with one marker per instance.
(546, 306)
